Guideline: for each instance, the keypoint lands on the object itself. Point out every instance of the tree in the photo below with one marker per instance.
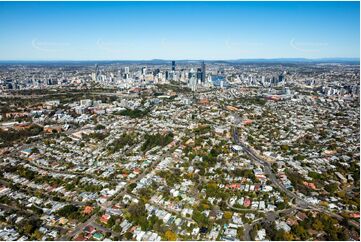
(111, 222)
(37, 235)
(227, 215)
(136, 113)
(281, 205)
(128, 235)
(284, 148)
(317, 225)
(199, 217)
(137, 209)
(28, 229)
(69, 211)
(288, 236)
(240, 233)
(99, 127)
(35, 150)
(170, 236)
(70, 186)
(253, 233)
(331, 188)
(300, 231)
(117, 228)
(145, 193)
(212, 189)
(131, 187)
(155, 140)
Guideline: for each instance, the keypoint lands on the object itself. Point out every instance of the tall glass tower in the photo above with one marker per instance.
(203, 72)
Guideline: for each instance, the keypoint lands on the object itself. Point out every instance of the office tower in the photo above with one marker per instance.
(273, 80)
(281, 78)
(126, 72)
(156, 72)
(170, 75)
(192, 84)
(144, 70)
(96, 74)
(191, 74)
(9, 84)
(287, 91)
(199, 74)
(203, 72)
(173, 65)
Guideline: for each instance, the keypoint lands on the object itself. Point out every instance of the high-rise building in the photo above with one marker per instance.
(171, 75)
(96, 74)
(281, 78)
(192, 83)
(287, 91)
(199, 74)
(126, 70)
(191, 74)
(156, 72)
(203, 72)
(9, 84)
(173, 65)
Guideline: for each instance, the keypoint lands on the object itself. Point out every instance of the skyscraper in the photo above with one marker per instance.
(203, 72)
(97, 73)
(200, 74)
(156, 72)
(173, 65)
(126, 72)
(281, 78)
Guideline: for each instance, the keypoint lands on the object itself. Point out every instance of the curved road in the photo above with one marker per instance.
(300, 203)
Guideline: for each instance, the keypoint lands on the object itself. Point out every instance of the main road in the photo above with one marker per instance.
(299, 202)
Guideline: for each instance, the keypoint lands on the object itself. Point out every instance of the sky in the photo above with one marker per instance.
(178, 30)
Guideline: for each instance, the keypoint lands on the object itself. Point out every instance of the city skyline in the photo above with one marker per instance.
(180, 121)
(178, 30)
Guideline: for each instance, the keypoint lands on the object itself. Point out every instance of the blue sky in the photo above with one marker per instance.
(178, 30)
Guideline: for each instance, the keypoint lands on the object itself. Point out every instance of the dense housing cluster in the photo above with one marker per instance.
(193, 151)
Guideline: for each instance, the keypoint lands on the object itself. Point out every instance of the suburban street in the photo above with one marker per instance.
(109, 203)
(299, 203)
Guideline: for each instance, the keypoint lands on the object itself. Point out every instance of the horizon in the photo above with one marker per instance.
(234, 61)
(132, 31)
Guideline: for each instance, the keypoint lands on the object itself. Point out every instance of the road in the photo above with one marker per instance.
(78, 228)
(109, 203)
(269, 217)
(299, 202)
